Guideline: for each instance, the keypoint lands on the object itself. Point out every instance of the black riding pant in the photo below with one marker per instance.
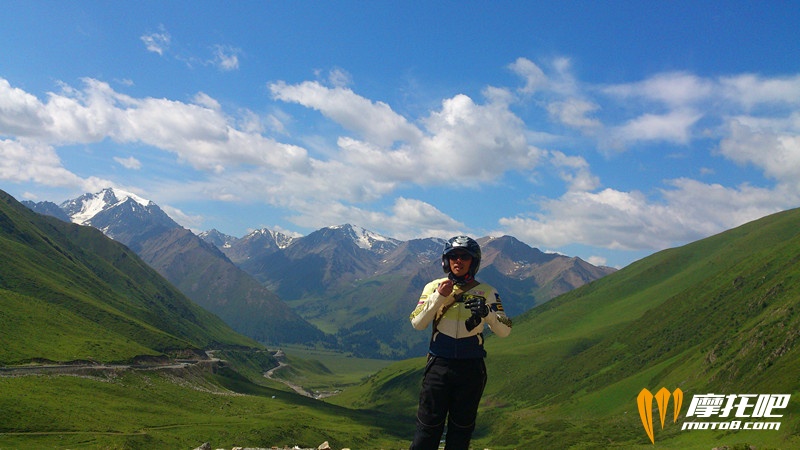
(451, 392)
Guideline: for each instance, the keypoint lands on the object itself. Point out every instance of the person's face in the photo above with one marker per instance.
(459, 262)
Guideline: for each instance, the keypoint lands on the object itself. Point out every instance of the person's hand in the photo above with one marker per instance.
(445, 288)
(477, 305)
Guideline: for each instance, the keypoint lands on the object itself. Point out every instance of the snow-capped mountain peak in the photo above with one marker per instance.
(366, 239)
(283, 240)
(280, 239)
(84, 208)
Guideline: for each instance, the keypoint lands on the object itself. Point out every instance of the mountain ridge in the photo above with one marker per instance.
(198, 269)
(342, 286)
(362, 289)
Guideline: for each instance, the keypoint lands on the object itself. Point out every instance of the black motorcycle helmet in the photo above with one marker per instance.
(467, 244)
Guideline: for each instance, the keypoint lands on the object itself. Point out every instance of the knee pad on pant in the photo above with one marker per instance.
(451, 424)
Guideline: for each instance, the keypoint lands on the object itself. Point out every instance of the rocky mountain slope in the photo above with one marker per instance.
(197, 268)
(361, 286)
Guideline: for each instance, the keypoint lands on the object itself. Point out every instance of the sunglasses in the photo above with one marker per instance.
(461, 256)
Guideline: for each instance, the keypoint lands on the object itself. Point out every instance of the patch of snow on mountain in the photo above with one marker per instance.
(281, 240)
(123, 195)
(101, 201)
(89, 209)
(363, 237)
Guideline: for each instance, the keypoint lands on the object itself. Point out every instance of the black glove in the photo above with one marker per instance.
(477, 305)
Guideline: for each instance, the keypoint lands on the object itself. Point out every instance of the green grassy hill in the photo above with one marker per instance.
(69, 293)
(719, 315)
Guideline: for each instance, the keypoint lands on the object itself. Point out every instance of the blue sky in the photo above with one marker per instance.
(604, 130)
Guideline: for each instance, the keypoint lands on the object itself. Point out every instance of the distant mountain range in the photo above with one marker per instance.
(343, 286)
(362, 286)
(337, 258)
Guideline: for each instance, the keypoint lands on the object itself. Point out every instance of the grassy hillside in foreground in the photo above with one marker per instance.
(718, 315)
(177, 409)
(69, 293)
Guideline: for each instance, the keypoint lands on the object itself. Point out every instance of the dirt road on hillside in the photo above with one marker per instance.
(34, 369)
(299, 389)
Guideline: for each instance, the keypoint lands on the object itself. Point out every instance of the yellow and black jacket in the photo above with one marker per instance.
(450, 337)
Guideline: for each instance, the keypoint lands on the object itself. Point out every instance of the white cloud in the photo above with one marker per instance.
(609, 219)
(675, 89)
(198, 134)
(191, 221)
(670, 108)
(33, 162)
(21, 114)
(129, 162)
(559, 82)
(674, 127)
(575, 171)
(705, 209)
(339, 77)
(375, 121)
(574, 112)
(226, 58)
(535, 79)
(157, 42)
(205, 100)
(630, 221)
(479, 142)
(29, 161)
(766, 144)
(417, 215)
(597, 260)
(751, 90)
(407, 218)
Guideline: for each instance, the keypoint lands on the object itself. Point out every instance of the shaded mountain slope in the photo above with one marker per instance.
(198, 269)
(204, 274)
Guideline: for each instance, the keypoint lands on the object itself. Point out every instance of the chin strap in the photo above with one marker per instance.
(460, 281)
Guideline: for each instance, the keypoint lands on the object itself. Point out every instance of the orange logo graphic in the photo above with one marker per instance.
(645, 403)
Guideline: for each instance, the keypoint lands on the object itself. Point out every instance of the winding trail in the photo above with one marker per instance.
(299, 389)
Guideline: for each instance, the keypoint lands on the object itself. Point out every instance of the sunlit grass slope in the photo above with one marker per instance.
(174, 410)
(69, 293)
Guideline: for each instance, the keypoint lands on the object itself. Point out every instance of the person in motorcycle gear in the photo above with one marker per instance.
(458, 308)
